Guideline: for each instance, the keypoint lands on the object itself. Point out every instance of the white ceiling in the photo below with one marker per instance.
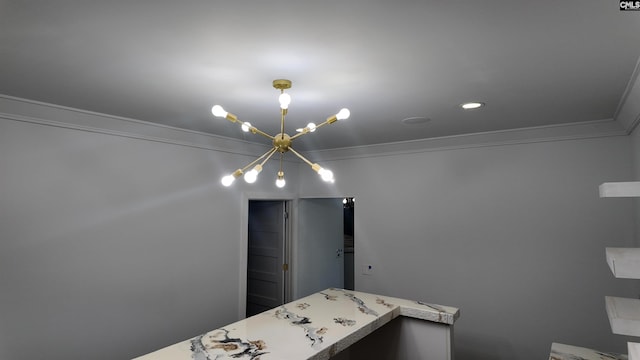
(534, 63)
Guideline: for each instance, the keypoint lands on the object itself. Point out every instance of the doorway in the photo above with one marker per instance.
(279, 267)
(349, 246)
(267, 235)
(319, 245)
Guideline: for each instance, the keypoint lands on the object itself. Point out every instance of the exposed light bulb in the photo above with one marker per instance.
(343, 114)
(311, 126)
(246, 126)
(218, 111)
(472, 105)
(285, 100)
(326, 175)
(280, 181)
(228, 180)
(252, 175)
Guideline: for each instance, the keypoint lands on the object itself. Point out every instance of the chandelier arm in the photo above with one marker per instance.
(301, 157)
(299, 134)
(304, 132)
(273, 151)
(330, 120)
(268, 154)
(254, 130)
(326, 175)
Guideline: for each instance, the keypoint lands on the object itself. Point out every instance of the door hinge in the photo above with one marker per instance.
(285, 267)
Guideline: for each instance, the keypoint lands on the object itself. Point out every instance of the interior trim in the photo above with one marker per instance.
(30, 111)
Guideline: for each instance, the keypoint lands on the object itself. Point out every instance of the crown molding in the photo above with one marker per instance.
(628, 111)
(548, 133)
(24, 110)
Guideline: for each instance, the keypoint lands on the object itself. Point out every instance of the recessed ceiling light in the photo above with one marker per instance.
(472, 105)
(415, 120)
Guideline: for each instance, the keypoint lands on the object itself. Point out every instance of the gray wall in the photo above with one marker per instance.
(635, 151)
(513, 235)
(113, 246)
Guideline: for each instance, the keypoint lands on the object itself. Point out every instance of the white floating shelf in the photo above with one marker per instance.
(624, 315)
(624, 262)
(634, 351)
(620, 189)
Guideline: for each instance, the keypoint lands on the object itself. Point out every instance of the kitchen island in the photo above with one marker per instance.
(325, 324)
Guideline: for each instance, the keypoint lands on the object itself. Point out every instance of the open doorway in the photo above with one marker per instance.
(267, 260)
(324, 246)
(279, 267)
(348, 205)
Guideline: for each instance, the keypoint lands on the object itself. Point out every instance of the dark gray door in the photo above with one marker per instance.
(265, 260)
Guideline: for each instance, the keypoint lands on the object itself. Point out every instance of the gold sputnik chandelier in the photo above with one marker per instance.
(281, 142)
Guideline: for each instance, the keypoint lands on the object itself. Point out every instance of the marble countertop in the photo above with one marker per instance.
(570, 352)
(314, 327)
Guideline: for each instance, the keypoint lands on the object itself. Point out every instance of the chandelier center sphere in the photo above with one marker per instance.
(282, 142)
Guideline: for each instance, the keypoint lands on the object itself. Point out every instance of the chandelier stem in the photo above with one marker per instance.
(282, 115)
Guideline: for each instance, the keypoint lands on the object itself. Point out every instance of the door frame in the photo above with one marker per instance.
(244, 244)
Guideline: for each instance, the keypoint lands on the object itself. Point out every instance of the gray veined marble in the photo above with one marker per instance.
(315, 327)
(570, 352)
(329, 296)
(312, 333)
(198, 349)
(344, 322)
(361, 305)
(384, 302)
(211, 347)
